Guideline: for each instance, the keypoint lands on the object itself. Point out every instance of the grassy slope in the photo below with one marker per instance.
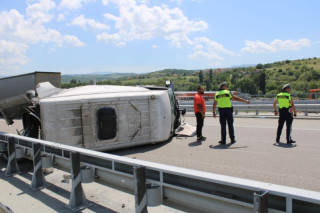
(302, 74)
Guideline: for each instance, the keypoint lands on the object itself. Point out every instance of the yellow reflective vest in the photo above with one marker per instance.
(223, 97)
(284, 100)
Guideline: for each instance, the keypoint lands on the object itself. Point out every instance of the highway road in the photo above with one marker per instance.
(254, 156)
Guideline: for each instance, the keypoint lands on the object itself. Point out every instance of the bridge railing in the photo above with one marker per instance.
(180, 188)
(257, 108)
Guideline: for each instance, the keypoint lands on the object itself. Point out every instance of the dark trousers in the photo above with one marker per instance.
(285, 116)
(226, 116)
(199, 124)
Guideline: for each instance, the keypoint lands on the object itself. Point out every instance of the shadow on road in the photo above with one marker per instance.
(226, 146)
(285, 145)
(195, 143)
(139, 149)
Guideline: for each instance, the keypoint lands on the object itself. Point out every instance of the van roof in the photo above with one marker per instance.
(48, 93)
(98, 89)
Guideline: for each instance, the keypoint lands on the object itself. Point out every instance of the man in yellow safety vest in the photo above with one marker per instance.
(223, 100)
(286, 112)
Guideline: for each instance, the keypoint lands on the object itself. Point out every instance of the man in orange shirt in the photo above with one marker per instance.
(200, 111)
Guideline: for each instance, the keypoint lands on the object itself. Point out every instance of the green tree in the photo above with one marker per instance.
(259, 66)
(247, 86)
(208, 85)
(210, 75)
(262, 82)
(73, 81)
(201, 76)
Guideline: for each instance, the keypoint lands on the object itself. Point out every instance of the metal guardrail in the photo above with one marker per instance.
(252, 107)
(180, 188)
(300, 96)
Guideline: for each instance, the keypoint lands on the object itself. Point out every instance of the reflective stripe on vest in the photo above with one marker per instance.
(284, 100)
(223, 97)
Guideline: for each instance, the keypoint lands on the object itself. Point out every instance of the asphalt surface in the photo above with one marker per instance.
(254, 156)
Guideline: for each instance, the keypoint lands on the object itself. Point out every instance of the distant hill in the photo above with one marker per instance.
(171, 72)
(302, 74)
(100, 73)
(94, 77)
(243, 65)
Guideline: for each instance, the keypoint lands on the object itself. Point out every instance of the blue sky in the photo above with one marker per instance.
(85, 36)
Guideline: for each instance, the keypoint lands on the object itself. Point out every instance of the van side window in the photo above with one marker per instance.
(107, 123)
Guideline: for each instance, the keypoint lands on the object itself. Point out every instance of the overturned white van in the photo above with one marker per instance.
(102, 117)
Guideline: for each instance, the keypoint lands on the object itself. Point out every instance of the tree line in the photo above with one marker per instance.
(302, 74)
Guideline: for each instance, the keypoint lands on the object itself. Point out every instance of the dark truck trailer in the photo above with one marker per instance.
(19, 84)
(13, 89)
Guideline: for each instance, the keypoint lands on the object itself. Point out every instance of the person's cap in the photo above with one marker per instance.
(223, 84)
(286, 86)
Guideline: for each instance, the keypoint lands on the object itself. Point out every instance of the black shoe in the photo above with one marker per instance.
(222, 142)
(233, 141)
(201, 138)
(291, 141)
(278, 140)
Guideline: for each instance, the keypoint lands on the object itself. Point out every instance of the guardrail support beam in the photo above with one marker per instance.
(174, 192)
(139, 173)
(77, 200)
(12, 167)
(288, 205)
(38, 181)
(260, 201)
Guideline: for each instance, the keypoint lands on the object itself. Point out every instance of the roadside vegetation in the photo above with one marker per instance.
(303, 74)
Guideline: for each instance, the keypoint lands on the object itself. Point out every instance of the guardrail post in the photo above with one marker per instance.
(38, 181)
(12, 167)
(139, 173)
(288, 205)
(260, 201)
(77, 200)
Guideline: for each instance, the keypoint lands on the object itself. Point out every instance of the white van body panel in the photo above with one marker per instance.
(70, 116)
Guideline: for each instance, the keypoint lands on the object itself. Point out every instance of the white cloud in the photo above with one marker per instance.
(113, 38)
(276, 45)
(176, 1)
(204, 48)
(12, 54)
(61, 17)
(19, 32)
(140, 22)
(121, 3)
(205, 55)
(39, 12)
(14, 27)
(74, 4)
(12, 47)
(85, 23)
(72, 40)
(199, 1)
